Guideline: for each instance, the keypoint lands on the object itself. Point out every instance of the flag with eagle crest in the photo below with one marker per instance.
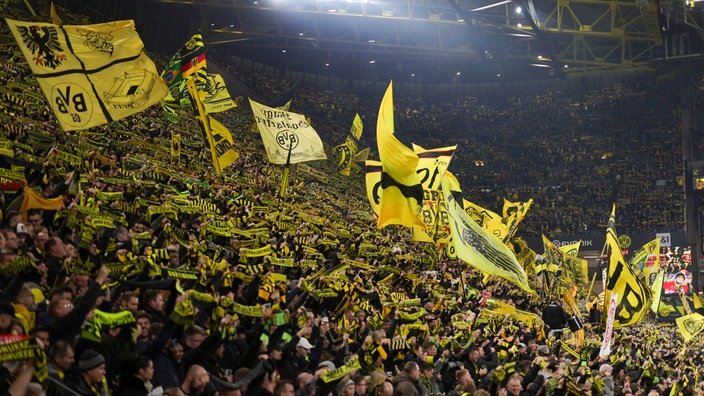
(91, 74)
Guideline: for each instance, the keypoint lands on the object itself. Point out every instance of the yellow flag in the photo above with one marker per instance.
(646, 260)
(175, 145)
(55, 18)
(218, 99)
(513, 214)
(476, 246)
(90, 74)
(344, 154)
(575, 270)
(656, 289)
(432, 164)
(361, 156)
(634, 298)
(482, 215)
(356, 128)
(287, 136)
(373, 183)
(690, 325)
(402, 195)
(218, 137)
(551, 254)
(697, 301)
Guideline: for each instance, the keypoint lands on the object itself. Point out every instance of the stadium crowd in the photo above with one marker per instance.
(134, 272)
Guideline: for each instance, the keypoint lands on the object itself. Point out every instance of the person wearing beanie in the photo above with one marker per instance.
(7, 312)
(91, 380)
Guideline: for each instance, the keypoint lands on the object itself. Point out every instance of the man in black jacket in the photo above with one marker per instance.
(67, 319)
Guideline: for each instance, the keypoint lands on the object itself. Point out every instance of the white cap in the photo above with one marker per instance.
(303, 342)
(21, 229)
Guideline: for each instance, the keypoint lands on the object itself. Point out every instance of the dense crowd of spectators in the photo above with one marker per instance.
(571, 151)
(148, 276)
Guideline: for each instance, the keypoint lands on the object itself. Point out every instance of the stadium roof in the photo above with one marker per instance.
(428, 40)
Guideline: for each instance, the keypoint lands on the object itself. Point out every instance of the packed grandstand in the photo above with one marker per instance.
(133, 263)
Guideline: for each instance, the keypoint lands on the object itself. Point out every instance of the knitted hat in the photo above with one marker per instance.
(6, 308)
(90, 359)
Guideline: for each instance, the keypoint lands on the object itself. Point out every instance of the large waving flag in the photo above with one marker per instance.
(475, 245)
(432, 164)
(634, 298)
(91, 74)
(190, 61)
(402, 195)
(219, 139)
(288, 138)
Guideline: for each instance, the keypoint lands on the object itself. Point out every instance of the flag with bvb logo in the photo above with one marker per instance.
(91, 74)
(287, 136)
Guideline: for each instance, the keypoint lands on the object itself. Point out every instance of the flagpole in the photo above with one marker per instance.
(284, 182)
(591, 286)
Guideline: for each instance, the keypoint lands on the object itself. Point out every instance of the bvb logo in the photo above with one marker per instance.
(287, 140)
(624, 241)
(71, 104)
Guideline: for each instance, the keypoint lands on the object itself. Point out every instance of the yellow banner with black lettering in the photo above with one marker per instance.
(288, 138)
(255, 311)
(264, 251)
(181, 274)
(281, 262)
(634, 298)
(16, 348)
(334, 375)
(11, 175)
(112, 320)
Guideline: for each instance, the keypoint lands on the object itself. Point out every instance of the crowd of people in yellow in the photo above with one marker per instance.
(128, 269)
